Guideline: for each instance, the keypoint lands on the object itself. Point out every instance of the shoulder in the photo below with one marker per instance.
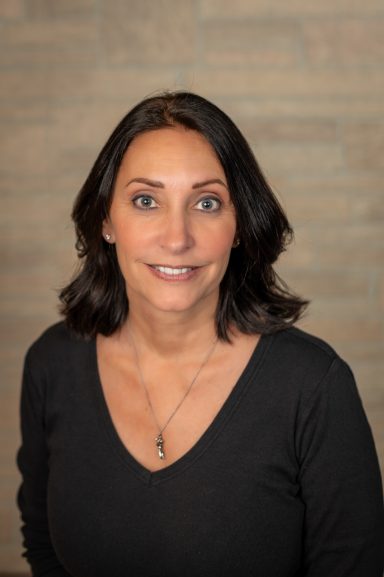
(306, 341)
(57, 344)
(306, 362)
(296, 345)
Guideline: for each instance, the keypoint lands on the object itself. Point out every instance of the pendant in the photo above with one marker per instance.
(159, 444)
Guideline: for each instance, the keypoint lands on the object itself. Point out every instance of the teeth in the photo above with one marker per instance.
(172, 271)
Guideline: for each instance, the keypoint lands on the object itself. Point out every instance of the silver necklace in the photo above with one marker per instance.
(159, 440)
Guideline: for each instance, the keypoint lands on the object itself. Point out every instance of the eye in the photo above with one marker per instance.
(209, 204)
(144, 202)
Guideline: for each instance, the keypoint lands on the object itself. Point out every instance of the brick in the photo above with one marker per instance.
(9, 468)
(44, 209)
(53, 246)
(346, 329)
(345, 183)
(100, 83)
(330, 284)
(371, 374)
(367, 206)
(32, 252)
(31, 188)
(315, 200)
(348, 247)
(39, 304)
(12, 362)
(305, 82)
(350, 42)
(10, 559)
(5, 525)
(149, 32)
(338, 308)
(124, 85)
(9, 408)
(358, 352)
(278, 106)
(8, 491)
(374, 396)
(361, 255)
(30, 43)
(12, 9)
(40, 298)
(26, 85)
(364, 143)
(381, 292)
(288, 130)
(39, 212)
(78, 131)
(23, 146)
(9, 442)
(85, 124)
(60, 8)
(304, 207)
(20, 112)
(298, 255)
(21, 332)
(225, 9)
(277, 158)
(353, 234)
(35, 35)
(250, 43)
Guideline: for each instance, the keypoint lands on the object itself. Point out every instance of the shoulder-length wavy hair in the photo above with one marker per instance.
(251, 297)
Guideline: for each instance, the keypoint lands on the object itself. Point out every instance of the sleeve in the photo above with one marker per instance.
(340, 482)
(32, 460)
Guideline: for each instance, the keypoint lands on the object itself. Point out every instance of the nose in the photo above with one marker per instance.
(176, 235)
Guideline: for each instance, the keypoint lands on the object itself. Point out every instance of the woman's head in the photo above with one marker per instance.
(172, 224)
(250, 297)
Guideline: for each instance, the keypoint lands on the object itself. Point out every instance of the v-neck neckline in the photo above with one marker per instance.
(225, 412)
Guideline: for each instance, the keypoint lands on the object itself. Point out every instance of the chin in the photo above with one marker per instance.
(175, 307)
(175, 301)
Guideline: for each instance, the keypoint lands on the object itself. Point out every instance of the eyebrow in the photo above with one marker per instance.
(154, 183)
(211, 181)
(158, 184)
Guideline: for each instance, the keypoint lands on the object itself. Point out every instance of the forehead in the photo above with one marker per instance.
(171, 148)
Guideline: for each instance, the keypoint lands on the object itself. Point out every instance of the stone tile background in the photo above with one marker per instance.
(304, 80)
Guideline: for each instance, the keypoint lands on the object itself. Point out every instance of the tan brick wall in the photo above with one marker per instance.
(305, 81)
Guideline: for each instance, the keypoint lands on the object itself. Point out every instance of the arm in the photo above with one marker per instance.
(32, 497)
(340, 481)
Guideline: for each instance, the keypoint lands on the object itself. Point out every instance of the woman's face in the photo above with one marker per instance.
(172, 221)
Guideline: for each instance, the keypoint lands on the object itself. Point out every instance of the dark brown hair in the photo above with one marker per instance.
(252, 297)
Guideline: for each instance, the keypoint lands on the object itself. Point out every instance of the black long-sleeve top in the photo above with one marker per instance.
(284, 482)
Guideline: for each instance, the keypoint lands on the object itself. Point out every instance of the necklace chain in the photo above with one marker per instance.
(159, 438)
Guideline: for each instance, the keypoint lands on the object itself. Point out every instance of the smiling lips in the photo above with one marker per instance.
(173, 273)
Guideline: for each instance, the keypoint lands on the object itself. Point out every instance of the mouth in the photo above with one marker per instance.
(172, 270)
(182, 272)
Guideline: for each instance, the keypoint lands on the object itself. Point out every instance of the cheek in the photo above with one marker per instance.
(221, 242)
(130, 236)
(126, 246)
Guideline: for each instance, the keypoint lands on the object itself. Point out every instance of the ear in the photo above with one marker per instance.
(108, 232)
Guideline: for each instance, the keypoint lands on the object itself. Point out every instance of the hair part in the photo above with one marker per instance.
(252, 297)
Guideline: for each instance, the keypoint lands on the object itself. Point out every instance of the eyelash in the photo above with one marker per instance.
(215, 201)
(140, 197)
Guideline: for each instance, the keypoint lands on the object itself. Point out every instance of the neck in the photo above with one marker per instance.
(169, 334)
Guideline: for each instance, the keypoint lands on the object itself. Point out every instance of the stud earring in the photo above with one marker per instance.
(107, 237)
(236, 243)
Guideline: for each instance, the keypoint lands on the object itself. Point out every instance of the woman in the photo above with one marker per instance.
(177, 423)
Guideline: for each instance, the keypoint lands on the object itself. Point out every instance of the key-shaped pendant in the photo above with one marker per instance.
(159, 445)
